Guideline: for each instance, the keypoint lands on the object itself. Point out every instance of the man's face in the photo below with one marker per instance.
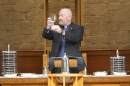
(64, 17)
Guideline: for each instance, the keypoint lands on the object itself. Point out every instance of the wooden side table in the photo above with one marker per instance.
(77, 79)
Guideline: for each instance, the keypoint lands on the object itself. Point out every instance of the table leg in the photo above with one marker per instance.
(52, 81)
(64, 82)
(75, 83)
(80, 81)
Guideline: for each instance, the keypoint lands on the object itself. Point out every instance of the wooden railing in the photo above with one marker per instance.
(97, 60)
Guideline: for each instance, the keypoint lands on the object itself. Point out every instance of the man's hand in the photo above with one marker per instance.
(49, 23)
(56, 28)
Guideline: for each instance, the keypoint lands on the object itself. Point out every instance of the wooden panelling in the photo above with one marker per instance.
(97, 60)
(29, 61)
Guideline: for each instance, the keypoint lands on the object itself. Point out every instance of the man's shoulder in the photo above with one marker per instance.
(76, 25)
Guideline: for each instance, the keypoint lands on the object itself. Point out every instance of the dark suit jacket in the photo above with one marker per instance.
(73, 38)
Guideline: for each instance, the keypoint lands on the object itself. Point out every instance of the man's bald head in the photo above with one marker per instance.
(67, 11)
(65, 16)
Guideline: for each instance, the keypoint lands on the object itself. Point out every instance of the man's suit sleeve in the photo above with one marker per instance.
(47, 34)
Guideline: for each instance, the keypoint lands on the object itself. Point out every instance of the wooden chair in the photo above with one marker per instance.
(57, 63)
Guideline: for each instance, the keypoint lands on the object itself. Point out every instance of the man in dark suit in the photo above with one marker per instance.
(66, 38)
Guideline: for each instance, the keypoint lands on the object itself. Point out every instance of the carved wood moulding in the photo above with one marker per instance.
(23, 81)
(113, 79)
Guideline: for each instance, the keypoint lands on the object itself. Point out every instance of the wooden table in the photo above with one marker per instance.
(22, 81)
(77, 79)
(107, 81)
(88, 81)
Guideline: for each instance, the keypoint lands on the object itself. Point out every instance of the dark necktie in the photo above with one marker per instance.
(62, 46)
